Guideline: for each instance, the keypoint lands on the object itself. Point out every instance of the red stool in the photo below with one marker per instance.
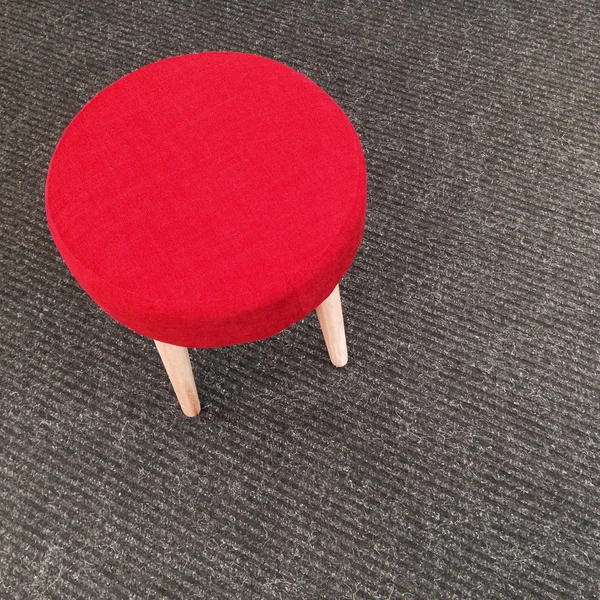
(207, 200)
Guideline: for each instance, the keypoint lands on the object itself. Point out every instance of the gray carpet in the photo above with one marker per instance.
(457, 455)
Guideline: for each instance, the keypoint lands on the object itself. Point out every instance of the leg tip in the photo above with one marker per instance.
(339, 357)
(191, 412)
(191, 405)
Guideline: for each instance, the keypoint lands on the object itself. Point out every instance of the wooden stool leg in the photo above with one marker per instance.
(177, 363)
(331, 320)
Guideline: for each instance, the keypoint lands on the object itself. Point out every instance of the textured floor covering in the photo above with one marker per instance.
(457, 456)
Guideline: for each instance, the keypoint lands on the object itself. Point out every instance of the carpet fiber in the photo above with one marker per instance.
(456, 456)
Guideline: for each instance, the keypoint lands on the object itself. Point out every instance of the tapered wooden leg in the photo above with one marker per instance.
(177, 363)
(331, 320)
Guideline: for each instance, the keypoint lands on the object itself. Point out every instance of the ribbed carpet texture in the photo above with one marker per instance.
(458, 453)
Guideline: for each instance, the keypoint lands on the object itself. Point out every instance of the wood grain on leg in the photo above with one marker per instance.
(331, 320)
(177, 363)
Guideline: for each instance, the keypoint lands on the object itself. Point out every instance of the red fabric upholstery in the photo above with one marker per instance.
(208, 199)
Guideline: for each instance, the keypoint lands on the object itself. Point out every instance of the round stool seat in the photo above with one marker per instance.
(208, 199)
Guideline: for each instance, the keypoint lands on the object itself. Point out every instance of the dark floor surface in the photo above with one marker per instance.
(457, 455)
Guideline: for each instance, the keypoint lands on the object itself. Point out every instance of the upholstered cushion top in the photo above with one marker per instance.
(208, 199)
